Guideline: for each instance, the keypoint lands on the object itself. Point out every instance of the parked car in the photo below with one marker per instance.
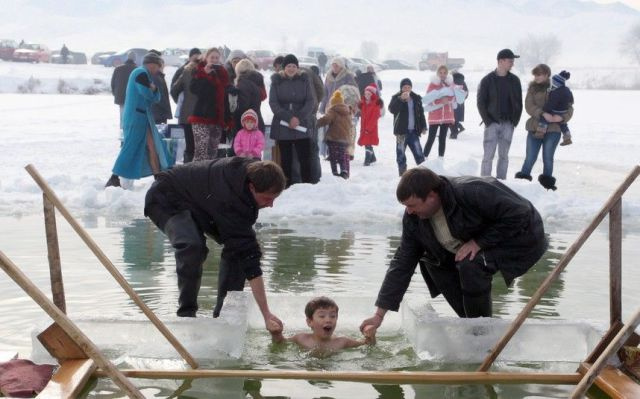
(73, 58)
(262, 58)
(356, 64)
(307, 62)
(99, 57)
(32, 52)
(174, 56)
(7, 47)
(120, 57)
(397, 64)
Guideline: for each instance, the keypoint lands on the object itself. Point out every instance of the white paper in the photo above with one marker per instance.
(298, 128)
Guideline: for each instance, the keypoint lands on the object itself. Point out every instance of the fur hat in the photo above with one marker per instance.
(289, 59)
(339, 61)
(559, 79)
(152, 58)
(405, 81)
(249, 114)
(336, 98)
(372, 88)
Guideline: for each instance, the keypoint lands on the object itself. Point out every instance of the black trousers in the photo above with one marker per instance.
(466, 285)
(189, 143)
(303, 150)
(442, 139)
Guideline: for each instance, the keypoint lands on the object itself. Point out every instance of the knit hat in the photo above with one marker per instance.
(249, 114)
(131, 56)
(372, 88)
(559, 79)
(339, 61)
(194, 51)
(289, 59)
(152, 58)
(405, 81)
(236, 54)
(336, 98)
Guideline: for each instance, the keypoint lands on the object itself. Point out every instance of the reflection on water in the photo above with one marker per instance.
(349, 262)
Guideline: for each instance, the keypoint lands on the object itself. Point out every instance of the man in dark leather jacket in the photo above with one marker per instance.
(220, 198)
(462, 230)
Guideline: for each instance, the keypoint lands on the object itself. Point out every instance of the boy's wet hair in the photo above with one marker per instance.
(321, 302)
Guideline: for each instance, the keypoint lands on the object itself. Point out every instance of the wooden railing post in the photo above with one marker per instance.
(615, 262)
(53, 254)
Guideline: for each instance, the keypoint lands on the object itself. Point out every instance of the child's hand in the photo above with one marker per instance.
(274, 328)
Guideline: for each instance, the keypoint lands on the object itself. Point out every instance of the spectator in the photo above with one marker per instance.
(186, 101)
(441, 110)
(336, 78)
(458, 113)
(232, 60)
(64, 53)
(119, 80)
(322, 62)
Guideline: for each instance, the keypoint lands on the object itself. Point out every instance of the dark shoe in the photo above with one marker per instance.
(453, 136)
(344, 175)
(548, 182)
(351, 157)
(521, 175)
(373, 157)
(335, 173)
(114, 181)
(401, 171)
(460, 129)
(566, 141)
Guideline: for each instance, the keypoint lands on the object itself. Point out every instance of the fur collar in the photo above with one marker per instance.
(280, 76)
(436, 80)
(344, 72)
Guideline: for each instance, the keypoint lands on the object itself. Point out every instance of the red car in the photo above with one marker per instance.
(32, 52)
(262, 58)
(7, 47)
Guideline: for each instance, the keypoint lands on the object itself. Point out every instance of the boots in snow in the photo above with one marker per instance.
(521, 175)
(114, 181)
(548, 182)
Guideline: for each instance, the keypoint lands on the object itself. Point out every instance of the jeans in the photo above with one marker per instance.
(549, 144)
(411, 140)
(497, 135)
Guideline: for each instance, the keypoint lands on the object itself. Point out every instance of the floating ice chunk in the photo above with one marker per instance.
(448, 339)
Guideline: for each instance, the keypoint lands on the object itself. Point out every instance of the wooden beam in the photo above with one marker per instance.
(615, 263)
(68, 326)
(69, 380)
(380, 377)
(614, 383)
(59, 344)
(110, 267)
(53, 254)
(604, 342)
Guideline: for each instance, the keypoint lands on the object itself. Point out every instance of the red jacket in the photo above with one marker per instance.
(369, 114)
(443, 115)
(211, 96)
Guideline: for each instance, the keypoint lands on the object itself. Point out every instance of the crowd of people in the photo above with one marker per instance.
(461, 231)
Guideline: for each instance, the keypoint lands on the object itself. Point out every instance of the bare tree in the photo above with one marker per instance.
(369, 50)
(630, 45)
(536, 50)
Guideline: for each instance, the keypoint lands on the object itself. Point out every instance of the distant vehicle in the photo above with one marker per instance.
(307, 62)
(73, 58)
(7, 47)
(376, 65)
(99, 57)
(397, 64)
(120, 57)
(32, 52)
(356, 64)
(262, 58)
(314, 52)
(432, 60)
(173, 56)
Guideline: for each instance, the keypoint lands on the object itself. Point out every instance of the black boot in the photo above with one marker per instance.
(114, 181)
(548, 182)
(521, 175)
(478, 306)
(188, 297)
(367, 158)
(373, 156)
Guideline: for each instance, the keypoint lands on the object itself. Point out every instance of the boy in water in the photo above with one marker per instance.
(322, 317)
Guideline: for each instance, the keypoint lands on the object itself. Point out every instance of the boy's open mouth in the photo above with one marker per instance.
(327, 328)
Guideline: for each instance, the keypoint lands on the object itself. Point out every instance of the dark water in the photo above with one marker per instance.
(347, 263)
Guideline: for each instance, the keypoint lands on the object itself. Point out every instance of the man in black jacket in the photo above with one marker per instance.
(461, 230)
(119, 81)
(220, 198)
(408, 124)
(500, 106)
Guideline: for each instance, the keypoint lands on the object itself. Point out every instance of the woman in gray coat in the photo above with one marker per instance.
(292, 101)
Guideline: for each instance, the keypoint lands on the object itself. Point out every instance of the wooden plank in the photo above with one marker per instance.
(614, 382)
(615, 263)
(59, 344)
(604, 342)
(111, 268)
(53, 254)
(383, 377)
(69, 380)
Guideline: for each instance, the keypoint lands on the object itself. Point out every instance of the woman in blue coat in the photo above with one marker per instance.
(142, 153)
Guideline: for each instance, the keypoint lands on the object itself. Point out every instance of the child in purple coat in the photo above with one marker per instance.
(249, 141)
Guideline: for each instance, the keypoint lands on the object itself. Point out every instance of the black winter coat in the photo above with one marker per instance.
(506, 226)
(458, 79)
(161, 110)
(400, 112)
(489, 103)
(289, 97)
(217, 195)
(249, 89)
(119, 81)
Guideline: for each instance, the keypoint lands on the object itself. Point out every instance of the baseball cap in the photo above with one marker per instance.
(506, 53)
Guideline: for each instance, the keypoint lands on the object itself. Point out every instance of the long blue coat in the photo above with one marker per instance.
(133, 160)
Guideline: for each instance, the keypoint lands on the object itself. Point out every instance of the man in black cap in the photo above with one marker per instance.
(500, 106)
(408, 124)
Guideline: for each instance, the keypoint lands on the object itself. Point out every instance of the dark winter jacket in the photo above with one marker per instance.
(119, 81)
(177, 76)
(161, 110)
(489, 103)
(289, 97)
(458, 79)
(251, 93)
(317, 86)
(217, 195)
(210, 89)
(506, 226)
(400, 112)
(558, 100)
(364, 80)
(534, 102)
(182, 85)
